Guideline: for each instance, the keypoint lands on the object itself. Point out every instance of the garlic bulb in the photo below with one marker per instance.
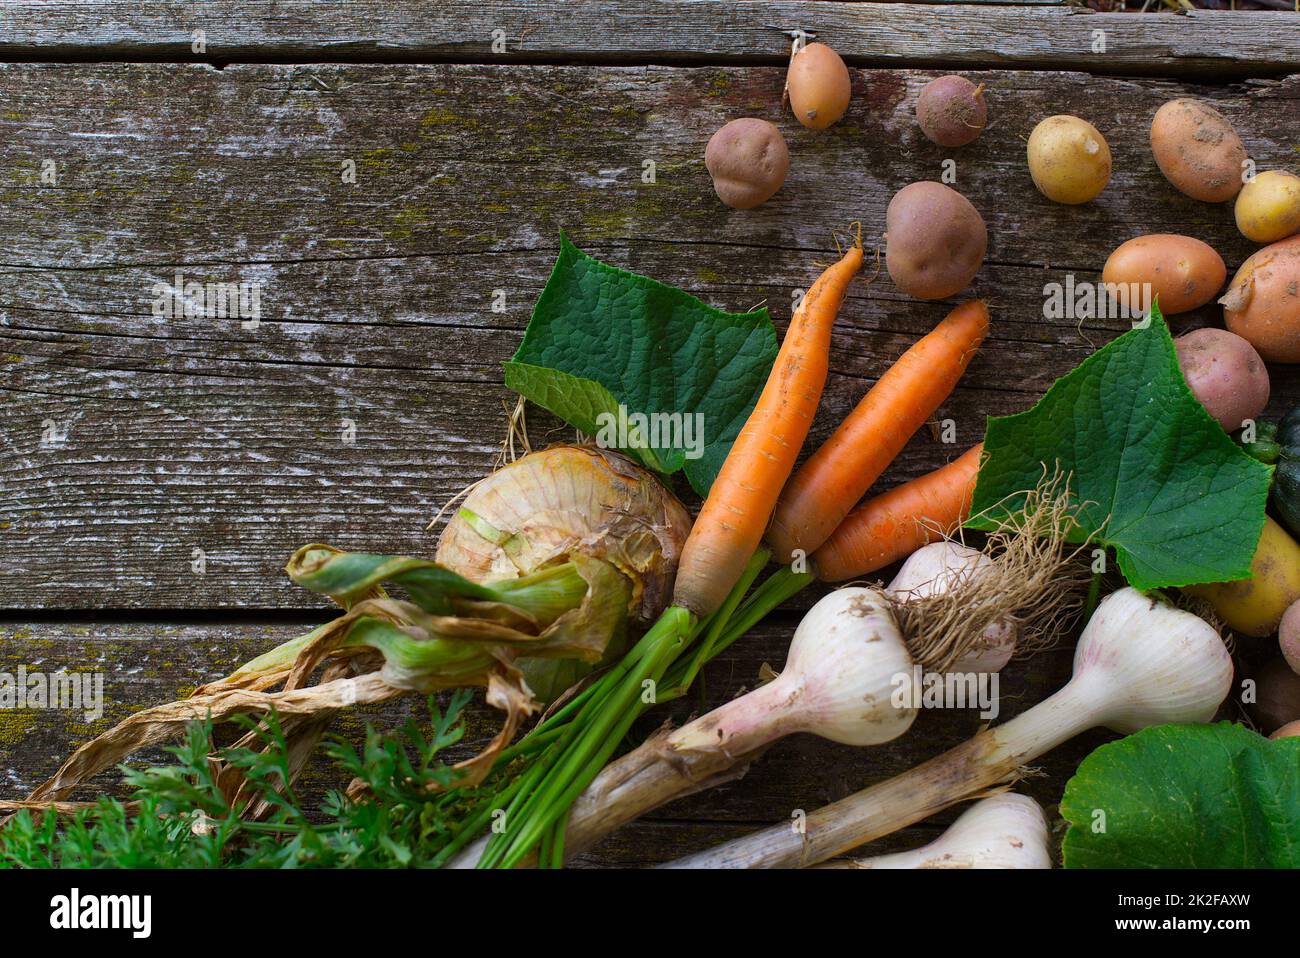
(942, 567)
(1143, 662)
(1139, 662)
(847, 659)
(1003, 831)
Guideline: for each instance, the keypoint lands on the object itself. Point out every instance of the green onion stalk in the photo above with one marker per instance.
(568, 749)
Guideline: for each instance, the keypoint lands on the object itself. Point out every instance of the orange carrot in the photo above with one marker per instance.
(897, 523)
(838, 474)
(731, 523)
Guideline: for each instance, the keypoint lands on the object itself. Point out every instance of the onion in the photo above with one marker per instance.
(1004, 831)
(565, 499)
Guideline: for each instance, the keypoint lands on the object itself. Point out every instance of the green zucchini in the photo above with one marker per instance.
(1279, 444)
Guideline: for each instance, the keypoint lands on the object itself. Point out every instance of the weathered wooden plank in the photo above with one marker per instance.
(175, 434)
(969, 35)
(144, 664)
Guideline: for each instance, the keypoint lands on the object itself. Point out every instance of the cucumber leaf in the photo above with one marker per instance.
(1153, 475)
(1186, 796)
(601, 338)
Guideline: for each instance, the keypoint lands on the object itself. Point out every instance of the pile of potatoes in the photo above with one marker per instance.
(935, 238)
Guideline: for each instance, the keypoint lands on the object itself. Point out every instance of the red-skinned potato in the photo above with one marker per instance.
(1288, 730)
(1262, 304)
(935, 240)
(748, 161)
(1184, 272)
(1225, 373)
(1197, 150)
(1288, 636)
(951, 111)
(1277, 696)
(819, 86)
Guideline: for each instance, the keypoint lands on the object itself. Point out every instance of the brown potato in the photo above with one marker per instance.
(819, 86)
(1277, 696)
(1268, 207)
(951, 111)
(1184, 272)
(748, 161)
(1069, 159)
(1225, 373)
(935, 240)
(1197, 150)
(1262, 305)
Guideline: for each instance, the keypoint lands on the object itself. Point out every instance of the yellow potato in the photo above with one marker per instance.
(1068, 159)
(1184, 272)
(819, 86)
(1268, 207)
(1197, 150)
(1262, 304)
(1255, 606)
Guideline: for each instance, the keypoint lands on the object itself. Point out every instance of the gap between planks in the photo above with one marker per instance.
(1202, 44)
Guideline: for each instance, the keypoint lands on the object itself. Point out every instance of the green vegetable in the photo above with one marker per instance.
(1154, 475)
(1186, 796)
(601, 336)
(403, 819)
(1279, 443)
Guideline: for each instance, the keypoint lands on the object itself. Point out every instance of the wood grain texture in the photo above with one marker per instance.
(1218, 43)
(149, 663)
(131, 440)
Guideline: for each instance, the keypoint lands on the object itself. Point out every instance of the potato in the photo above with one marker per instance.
(819, 86)
(1225, 373)
(1197, 150)
(1288, 730)
(935, 240)
(1277, 697)
(1288, 636)
(1268, 207)
(1184, 272)
(1262, 304)
(748, 161)
(1255, 606)
(951, 111)
(1068, 159)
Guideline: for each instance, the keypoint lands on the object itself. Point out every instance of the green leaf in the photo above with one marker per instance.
(1154, 476)
(601, 336)
(1186, 796)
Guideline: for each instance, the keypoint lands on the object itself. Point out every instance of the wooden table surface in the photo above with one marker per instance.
(129, 440)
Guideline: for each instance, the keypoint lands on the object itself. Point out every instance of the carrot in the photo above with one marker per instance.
(897, 523)
(731, 523)
(838, 474)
